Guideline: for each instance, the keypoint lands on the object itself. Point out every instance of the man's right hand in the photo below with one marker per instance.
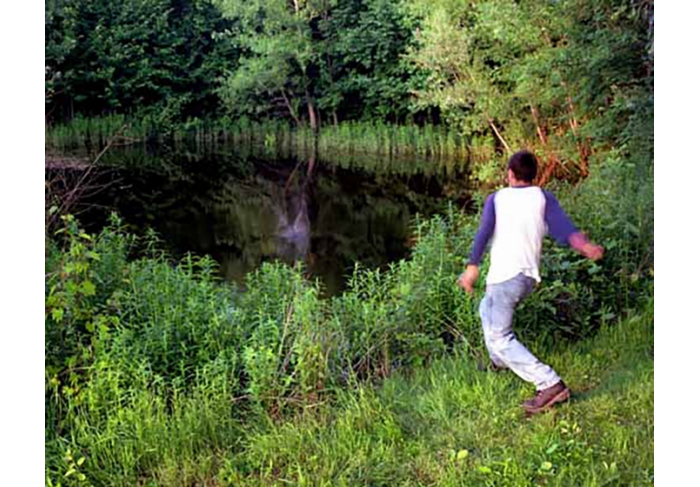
(468, 278)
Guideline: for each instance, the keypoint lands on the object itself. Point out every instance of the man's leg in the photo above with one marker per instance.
(498, 306)
(485, 314)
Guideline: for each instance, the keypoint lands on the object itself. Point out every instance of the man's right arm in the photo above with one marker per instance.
(483, 235)
(485, 232)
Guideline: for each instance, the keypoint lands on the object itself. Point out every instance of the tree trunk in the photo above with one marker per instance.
(290, 108)
(311, 164)
(312, 113)
(547, 174)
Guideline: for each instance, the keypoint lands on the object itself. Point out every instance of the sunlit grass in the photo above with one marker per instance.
(450, 424)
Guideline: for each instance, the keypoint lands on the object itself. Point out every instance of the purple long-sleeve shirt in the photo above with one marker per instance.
(558, 223)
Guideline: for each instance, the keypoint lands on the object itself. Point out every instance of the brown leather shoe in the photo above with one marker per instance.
(547, 398)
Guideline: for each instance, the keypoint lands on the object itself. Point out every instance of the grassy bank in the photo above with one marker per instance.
(159, 374)
(451, 424)
(446, 424)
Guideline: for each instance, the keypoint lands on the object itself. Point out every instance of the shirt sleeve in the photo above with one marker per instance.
(485, 232)
(558, 222)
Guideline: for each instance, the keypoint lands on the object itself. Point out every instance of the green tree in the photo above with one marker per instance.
(320, 59)
(547, 75)
(367, 73)
(149, 56)
(280, 57)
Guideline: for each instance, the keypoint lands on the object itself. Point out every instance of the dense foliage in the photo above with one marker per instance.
(158, 58)
(158, 373)
(555, 76)
(310, 61)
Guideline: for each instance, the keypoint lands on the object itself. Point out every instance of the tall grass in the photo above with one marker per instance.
(95, 132)
(348, 139)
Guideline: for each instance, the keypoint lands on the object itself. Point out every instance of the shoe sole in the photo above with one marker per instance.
(561, 397)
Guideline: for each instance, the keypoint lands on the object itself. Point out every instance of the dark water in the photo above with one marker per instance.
(244, 207)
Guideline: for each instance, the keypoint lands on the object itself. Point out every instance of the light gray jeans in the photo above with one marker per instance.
(496, 310)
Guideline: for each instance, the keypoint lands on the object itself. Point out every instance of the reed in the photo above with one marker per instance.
(350, 138)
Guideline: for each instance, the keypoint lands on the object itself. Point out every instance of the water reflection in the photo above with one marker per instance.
(244, 208)
(294, 227)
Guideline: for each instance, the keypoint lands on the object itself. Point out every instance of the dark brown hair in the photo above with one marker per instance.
(524, 165)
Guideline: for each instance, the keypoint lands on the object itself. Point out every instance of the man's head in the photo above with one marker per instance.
(522, 168)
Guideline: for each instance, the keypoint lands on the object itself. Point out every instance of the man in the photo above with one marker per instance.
(516, 219)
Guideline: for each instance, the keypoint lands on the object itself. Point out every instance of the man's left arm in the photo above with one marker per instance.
(565, 232)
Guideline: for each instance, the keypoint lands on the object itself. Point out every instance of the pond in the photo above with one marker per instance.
(245, 205)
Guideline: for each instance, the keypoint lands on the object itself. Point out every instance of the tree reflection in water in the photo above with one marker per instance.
(294, 227)
(244, 209)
